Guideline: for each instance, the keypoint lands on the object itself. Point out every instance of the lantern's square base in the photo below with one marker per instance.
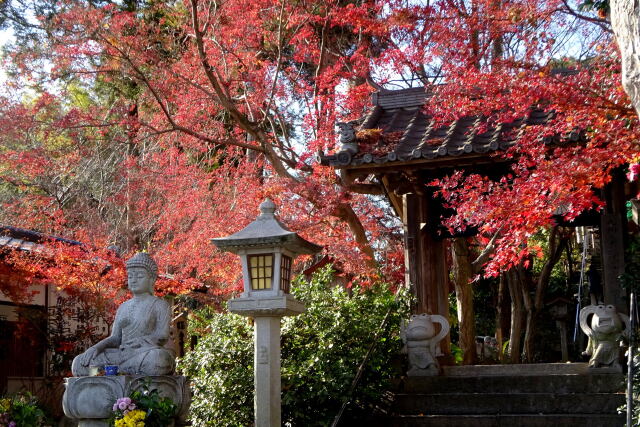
(284, 305)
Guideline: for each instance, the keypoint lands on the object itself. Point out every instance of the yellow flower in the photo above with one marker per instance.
(135, 418)
(132, 419)
(5, 405)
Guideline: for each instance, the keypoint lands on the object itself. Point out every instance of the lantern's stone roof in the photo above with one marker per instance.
(408, 134)
(266, 231)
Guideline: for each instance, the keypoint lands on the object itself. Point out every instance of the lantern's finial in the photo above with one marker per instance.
(267, 208)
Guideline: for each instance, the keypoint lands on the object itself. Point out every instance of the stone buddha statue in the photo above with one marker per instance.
(140, 330)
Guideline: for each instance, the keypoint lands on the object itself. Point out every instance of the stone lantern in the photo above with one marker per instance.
(559, 311)
(267, 250)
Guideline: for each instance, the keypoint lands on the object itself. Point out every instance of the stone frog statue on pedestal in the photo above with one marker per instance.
(605, 330)
(140, 330)
(421, 343)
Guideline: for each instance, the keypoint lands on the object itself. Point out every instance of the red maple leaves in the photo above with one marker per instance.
(160, 127)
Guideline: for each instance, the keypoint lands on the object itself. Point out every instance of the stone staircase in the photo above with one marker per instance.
(557, 395)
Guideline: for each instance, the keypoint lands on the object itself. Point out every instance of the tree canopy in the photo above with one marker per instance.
(160, 124)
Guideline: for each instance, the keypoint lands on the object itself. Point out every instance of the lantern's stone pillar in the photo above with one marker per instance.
(266, 369)
(267, 313)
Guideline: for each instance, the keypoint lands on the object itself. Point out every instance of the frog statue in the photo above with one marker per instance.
(140, 330)
(605, 330)
(421, 343)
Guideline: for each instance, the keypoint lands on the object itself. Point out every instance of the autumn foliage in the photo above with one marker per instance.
(159, 125)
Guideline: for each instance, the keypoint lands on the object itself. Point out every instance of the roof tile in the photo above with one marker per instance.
(400, 111)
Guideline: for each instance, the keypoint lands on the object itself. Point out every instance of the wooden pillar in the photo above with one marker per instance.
(411, 224)
(612, 236)
(426, 269)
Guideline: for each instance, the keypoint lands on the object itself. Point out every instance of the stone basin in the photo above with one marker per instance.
(90, 399)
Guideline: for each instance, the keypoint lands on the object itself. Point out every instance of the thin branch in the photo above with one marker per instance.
(279, 61)
(194, 84)
(181, 128)
(486, 253)
(240, 119)
(348, 184)
(602, 23)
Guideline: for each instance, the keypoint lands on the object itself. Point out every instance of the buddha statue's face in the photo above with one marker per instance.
(139, 281)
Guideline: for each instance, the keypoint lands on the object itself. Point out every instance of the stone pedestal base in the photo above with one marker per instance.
(93, 423)
(90, 399)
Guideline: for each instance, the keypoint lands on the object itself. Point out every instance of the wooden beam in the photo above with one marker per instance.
(435, 163)
(396, 201)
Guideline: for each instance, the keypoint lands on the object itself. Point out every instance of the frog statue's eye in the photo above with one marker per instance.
(609, 307)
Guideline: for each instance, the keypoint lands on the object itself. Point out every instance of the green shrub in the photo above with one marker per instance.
(21, 410)
(321, 352)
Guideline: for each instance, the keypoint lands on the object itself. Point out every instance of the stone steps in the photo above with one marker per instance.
(595, 383)
(524, 369)
(558, 395)
(505, 403)
(509, 420)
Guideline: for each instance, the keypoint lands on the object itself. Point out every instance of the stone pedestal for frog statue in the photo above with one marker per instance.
(421, 343)
(137, 345)
(605, 331)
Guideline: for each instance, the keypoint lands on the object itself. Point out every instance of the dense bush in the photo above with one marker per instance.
(631, 281)
(321, 352)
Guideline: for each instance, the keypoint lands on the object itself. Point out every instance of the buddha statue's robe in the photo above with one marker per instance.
(137, 342)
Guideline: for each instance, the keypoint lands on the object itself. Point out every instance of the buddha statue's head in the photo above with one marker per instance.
(142, 272)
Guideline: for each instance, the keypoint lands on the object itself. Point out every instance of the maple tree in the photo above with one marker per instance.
(150, 143)
(158, 125)
(502, 71)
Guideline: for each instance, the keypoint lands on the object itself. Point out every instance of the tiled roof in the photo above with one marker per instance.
(401, 111)
(8, 242)
(27, 240)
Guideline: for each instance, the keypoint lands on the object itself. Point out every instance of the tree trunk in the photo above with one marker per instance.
(529, 333)
(517, 316)
(524, 283)
(556, 243)
(502, 317)
(625, 20)
(462, 276)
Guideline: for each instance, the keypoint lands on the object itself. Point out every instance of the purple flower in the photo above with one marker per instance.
(12, 424)
(123, 403)
(132, 407)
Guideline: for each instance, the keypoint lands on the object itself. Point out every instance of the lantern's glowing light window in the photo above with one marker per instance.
(261, 268)
(285, 273)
